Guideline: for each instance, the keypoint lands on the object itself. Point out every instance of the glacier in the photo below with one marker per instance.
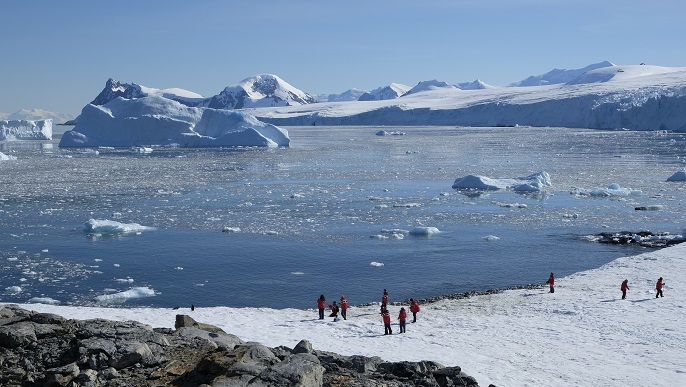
(25, 130)
(634, 97)
(155, 120)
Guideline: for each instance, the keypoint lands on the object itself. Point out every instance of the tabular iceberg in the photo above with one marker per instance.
(26, 130)
(156, 120)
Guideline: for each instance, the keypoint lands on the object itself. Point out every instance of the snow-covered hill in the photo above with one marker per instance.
(36, 115)
(618, 97)
(348, 95)
(474, 85)
(556, 76)
(259, 91)
(392, 91)
(429, 85)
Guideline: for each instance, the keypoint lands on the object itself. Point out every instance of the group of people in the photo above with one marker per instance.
(658, 287)
(624, 287)
(385, 314)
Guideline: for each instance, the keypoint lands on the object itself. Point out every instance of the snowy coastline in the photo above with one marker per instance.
(583, 334)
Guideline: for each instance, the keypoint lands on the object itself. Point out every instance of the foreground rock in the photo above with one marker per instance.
(40, 349)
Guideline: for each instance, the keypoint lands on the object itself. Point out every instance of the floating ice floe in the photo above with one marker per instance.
(108, 227)
(13, 289)
(678, 176)
(391, 133)
(25, 130)
(376, 264)
(424, 231)
(43, 300)
(510, 205)
(532, 183)
(231, 229)
(4, 157)
(491, 238)
(613, 190)
(138, 292)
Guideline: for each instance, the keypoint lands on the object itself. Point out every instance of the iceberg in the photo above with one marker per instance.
(613, 190)
(4, 157)
(532, 183)
(109, 227)
(678, 176)
(25, 130)
(156, 120)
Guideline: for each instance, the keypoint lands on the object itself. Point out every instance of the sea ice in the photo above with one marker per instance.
(138, 292)
(532, 183)
(424, 231)
(4, 157)
(107, 227)
(678, 176)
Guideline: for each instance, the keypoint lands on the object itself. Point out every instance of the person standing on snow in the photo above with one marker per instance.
(402, 317)
(624, 288)
(658, 287)
(334, 310)
(344, 307)
(384, 298)
(321, 305)
(551, 282)
(414, 308)
(386, 321)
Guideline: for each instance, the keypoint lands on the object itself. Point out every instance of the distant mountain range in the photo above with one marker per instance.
(36, 114)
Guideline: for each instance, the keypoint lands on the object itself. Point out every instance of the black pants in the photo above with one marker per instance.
(387, 329)
(623, 294)
(402, 327)
(343, 313)
(659, 294)
(321, 313)
(414, 317)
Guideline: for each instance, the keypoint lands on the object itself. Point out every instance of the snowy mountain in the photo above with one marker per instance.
(348, 95)
(36, 114)
(618, 97)
(556, 76)
(259, 91)
(474, 85)
(392, 91)
(429, 85)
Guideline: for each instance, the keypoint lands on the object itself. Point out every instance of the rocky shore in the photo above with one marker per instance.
(41, 349)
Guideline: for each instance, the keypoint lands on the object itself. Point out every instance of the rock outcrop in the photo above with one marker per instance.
(40, 349)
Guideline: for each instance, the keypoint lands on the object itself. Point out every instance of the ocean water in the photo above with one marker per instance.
(315, 218)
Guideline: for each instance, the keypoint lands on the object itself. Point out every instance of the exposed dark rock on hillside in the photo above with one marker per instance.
(40, 349)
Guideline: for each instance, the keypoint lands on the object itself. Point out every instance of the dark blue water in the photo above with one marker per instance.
(306, 215)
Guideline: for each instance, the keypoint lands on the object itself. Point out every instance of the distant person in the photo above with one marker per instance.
(402, 317)
(334, 310)
(192, 307)
(384, 298)
(321, 305)
(551, 282)
(414, 308)
(344, 307)
(658, 287)
(386, 321)
(624, 288)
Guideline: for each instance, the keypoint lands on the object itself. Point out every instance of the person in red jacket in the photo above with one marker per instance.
(551, 282)
(334, 310)
(386, 321)
(414, 308)
(344, 307)
(384, 298)
(658, 287)
(321, 305)
(402, 317)
(624, 288)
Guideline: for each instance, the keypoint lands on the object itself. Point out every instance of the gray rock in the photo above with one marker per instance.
(301, 369)
(18, 334)
(218, 340)
(130, 353)
(303, 346)
(183, 320)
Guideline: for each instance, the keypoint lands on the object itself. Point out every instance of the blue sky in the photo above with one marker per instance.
(57, 55)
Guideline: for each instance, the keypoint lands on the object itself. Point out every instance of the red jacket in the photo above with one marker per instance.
(658, 286)
(551, 280)
(625, 285)
(386, 317)
(414, 306)
(384, 299)
(344, 303)
(321, 304)
(403, 315)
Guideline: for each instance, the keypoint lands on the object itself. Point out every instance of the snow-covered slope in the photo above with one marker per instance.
(556, 76)
(259, 91)
(392, 91)
(639, 98)
(25, 130)
(348, 95)
(156, 120)
(429, 85)
(36, 115)
(474, 85)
